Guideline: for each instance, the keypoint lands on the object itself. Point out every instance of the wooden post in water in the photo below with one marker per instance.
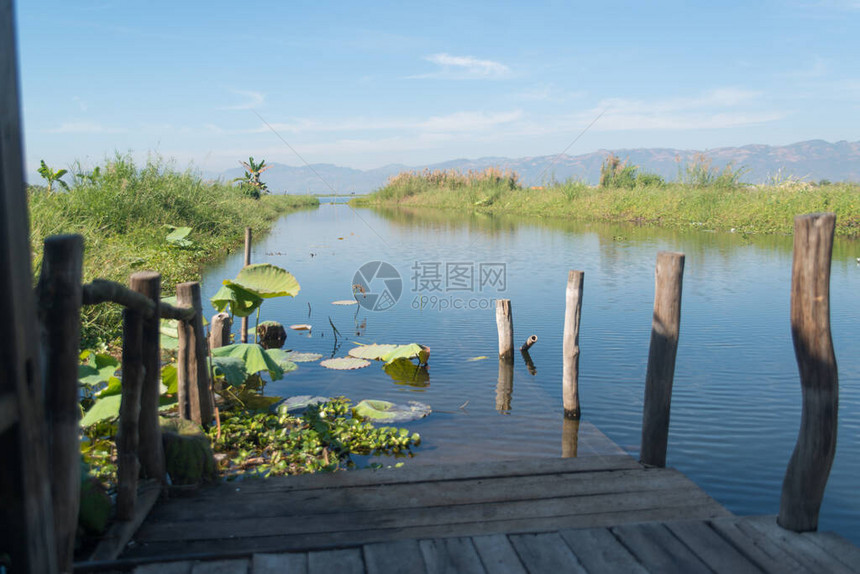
(59, 293)
(665, 328)
(26, 522)
(505, 386)
(195, 400)
(570, 348)
(244, 336)
(505, 326)
(219, 330)
(151, 450)
(128, 435)
(809, 467)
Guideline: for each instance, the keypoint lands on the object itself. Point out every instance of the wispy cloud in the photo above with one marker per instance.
(84, 128)
(464, 68)
(251, 100)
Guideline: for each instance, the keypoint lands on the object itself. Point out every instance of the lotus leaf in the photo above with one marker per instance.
(266, 280)
(345, 302)
(344, 363)
(299, 403)
(100, 367)
(106, 408)
(406, 372)
(409, 351)
(297, 357)
(169, 380)
(373, 352)
(256, 358)
(386, 412)
(241, 301)
(283, 359)
(178, 237)
(231, 368)
(114, 387)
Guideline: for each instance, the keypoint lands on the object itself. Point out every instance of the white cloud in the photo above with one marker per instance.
(84, 128)
(252, 100)
(464, 67)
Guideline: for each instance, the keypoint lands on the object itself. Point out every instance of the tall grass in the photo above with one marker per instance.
(124, 214)
(710, 199)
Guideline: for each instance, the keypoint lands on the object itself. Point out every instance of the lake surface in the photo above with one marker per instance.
(736, 400)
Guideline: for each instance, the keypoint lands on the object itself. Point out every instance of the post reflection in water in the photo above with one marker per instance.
(505, 387)
(569, 437)
(530, 365)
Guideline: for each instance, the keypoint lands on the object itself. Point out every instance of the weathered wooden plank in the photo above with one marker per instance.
(8, 411)
(665, 329)
(427, 494)
(347, 561)
(545, 552)
(498, 555)
(181, 567)
(415, 474)
(658, 549)
(765, 553)
(711, 548)
(395, 556)
(282, 563)
(194, 396)
(799, 547)
(349, 519)
(450, 556)
(59, 310)
(838, 547)
(128, 428)
(809, 466)
(599, 551)
(505, 327)
(236, 566)
(150, 449)
(120, 533)
(26, 521)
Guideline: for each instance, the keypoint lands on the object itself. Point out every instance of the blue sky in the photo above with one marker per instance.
(373, 83)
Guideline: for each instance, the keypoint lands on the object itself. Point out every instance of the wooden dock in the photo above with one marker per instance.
(599, 513)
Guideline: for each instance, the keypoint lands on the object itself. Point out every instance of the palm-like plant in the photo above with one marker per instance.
(52, 176)
(251, 179)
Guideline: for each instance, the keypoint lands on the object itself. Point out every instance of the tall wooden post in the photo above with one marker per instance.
(570, 349)
(151, 450)
(244, 335)
(665, 328)
(809, 467)
(59, 293)
(128, 431)
(219, 330)
(195, 400)
(26, 522)
(505, 327)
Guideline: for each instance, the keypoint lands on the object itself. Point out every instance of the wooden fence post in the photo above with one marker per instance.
(219, 330)
(128, 433)
(26, 522)
(809, 467)
(59, 293)
(244, 335)
(570, 352)
(195, 400)
(665, 327)
(151, 450)
(505, 326)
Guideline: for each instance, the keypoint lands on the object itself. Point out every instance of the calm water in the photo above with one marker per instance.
(736, 401)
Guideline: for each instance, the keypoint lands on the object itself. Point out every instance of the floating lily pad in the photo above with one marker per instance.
(344, 363)
(481, 358)
(345, 302)
(301, 327)
(299, 403)
(373, 352)
(410, 351)
(386, 412)
(405, 372)
(297, 357)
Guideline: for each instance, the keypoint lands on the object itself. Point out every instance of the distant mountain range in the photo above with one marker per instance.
(810, 160)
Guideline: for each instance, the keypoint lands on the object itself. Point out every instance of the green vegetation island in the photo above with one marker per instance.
(704, 197)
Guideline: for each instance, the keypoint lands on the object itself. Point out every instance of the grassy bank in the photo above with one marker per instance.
(717, 204)
(125, 213)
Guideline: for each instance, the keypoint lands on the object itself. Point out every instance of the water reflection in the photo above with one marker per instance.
(569, 437)
(505, 386)
(530, 365)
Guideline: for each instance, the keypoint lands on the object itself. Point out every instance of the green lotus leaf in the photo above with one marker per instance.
(231, 368)
(256, 358)
(241, 301)
(266, 280)
(299, 403)
(410, 351)
(114, 387)
(283, 359)
(404, 371)
(99, 368)
(373, 352)
(344, 363)
(178, 237)
(169, 380)
(386, 412)
(106, 408)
